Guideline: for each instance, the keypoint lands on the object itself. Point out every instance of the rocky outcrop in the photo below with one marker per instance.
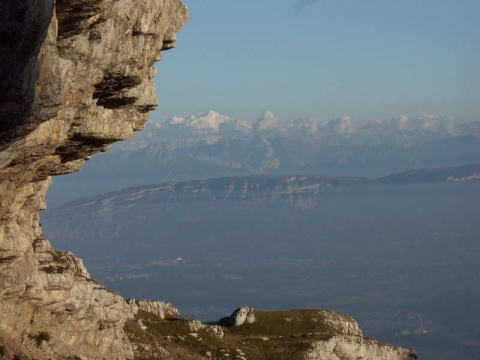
(239, 317)
(346, 347)
(161, 309)
(348, 343)
(309, 334)
(340, 323)
(195, 326)
(75, 76)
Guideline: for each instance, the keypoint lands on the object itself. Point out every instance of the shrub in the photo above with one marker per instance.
(41, 337)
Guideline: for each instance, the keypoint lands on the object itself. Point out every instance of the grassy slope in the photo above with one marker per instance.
(274, 335)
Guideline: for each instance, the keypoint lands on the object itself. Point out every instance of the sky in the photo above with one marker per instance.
(369, 59)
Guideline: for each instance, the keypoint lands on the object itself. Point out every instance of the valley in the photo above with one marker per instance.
(401, 258)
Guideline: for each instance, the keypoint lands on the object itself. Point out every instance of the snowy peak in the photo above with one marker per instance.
(176, 120)
(211, 126)
(426, 126)
(208, 120)
(269, 122)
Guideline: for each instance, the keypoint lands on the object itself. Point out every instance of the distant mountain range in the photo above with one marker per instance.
(454, 174)
(265, 186)
(212, 145)
(210, 126)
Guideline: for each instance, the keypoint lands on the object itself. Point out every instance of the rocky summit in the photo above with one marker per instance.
(76, 76)
(251, 334)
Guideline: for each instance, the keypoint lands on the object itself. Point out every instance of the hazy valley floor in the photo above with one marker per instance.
(404, 260)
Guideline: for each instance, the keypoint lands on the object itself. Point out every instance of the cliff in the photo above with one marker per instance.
(75, 76)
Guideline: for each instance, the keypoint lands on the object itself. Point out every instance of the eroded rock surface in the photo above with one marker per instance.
(75, 76)
(343, 347)
(161, 309)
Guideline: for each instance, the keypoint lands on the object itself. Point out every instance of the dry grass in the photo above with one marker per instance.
(274, 335)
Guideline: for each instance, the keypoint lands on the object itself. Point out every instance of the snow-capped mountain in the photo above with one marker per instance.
(209, 120)
(211, 144)
(211, 126)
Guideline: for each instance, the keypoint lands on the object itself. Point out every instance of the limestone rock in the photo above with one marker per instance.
(341, 323)
(238, 317)
(351, 347)
(323, 334)
(159, 308)
(251, 318)
(196, 325)
(75, 75)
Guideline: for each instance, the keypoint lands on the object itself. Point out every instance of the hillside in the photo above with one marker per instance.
(253, 334)
(456, 174)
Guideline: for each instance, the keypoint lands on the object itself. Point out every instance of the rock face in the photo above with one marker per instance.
(349, 343)
(345, 347)
(75, 76)
(161, 309)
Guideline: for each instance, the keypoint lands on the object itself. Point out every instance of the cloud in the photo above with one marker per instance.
(302, 4)
(270, 122)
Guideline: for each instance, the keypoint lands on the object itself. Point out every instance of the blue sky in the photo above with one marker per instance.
(364, 58)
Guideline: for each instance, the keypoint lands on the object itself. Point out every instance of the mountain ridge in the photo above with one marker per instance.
(291, 184)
